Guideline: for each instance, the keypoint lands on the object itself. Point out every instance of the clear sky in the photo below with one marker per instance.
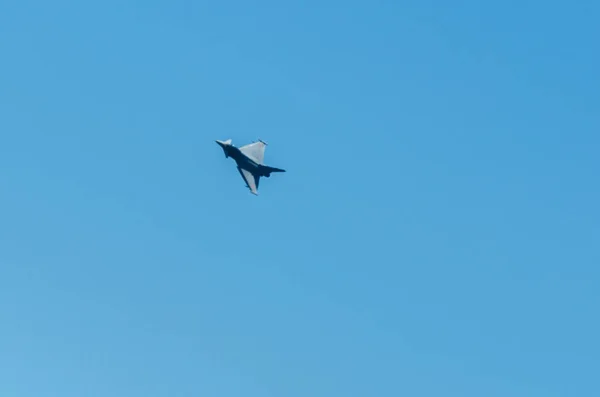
(437, 232)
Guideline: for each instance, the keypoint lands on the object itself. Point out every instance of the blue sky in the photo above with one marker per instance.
(437, 231)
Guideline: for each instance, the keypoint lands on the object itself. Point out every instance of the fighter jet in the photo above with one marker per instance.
(250, 162)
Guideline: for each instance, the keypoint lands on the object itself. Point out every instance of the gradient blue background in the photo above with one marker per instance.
(437, 232)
